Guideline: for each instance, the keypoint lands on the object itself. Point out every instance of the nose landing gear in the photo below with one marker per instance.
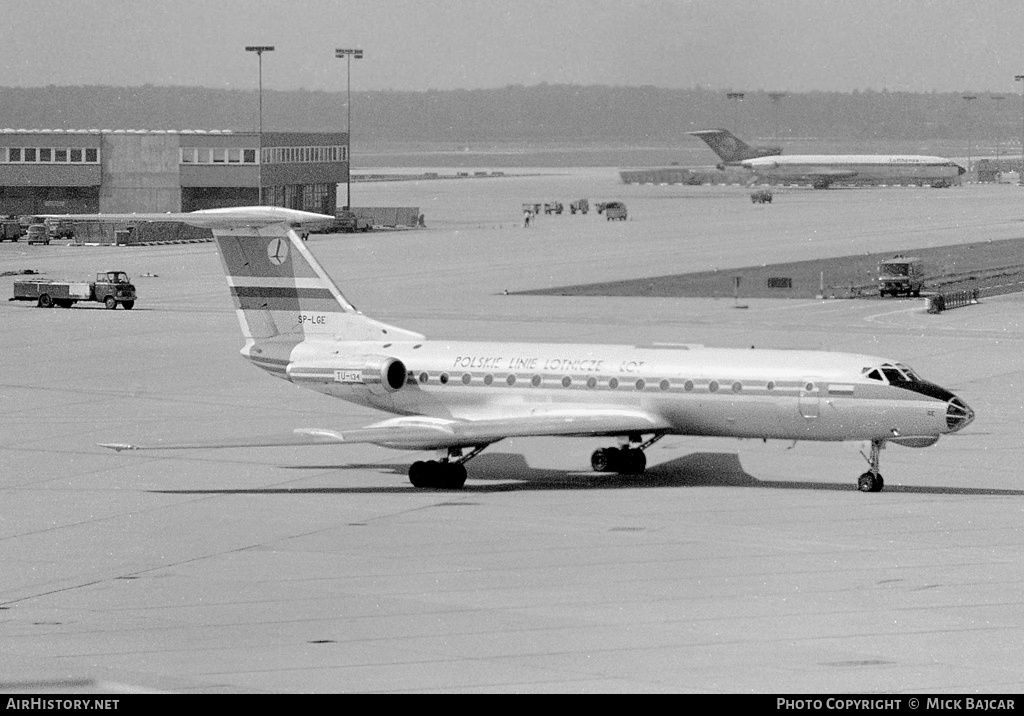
(871, 481)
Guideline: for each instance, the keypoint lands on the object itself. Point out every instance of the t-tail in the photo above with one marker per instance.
(730, 148)
(282, 295)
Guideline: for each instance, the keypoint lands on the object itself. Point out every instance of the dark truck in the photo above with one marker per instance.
(110, 288)
(901, 274)
(345, 222)
(10, 229)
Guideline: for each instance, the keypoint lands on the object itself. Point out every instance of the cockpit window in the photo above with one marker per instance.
(909, 372)
(893, 375)
(896, 374)
(890, 373)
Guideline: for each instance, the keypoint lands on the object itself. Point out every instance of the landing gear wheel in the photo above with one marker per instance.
(870, 482)
(443, 475)
(419, 474)
(625, 461)
(453, 475)
(603, 459)
(110, 302)
(634, 462)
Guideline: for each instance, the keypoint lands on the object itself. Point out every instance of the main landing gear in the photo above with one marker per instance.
(871, 481)
(625, 460)
(448, 473)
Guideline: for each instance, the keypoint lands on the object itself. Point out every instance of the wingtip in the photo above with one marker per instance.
(321, 433)
(118, 447)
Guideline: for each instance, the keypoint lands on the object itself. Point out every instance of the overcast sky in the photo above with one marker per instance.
(787, 45)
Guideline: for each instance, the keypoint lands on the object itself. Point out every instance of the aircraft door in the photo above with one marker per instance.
(810, 402)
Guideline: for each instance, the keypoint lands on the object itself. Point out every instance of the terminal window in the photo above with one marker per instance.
(217, 155)
(304, 155)
(48, 155)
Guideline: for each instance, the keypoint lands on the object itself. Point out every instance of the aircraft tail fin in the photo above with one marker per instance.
(732, 149)
(282, 294)
(281, 290)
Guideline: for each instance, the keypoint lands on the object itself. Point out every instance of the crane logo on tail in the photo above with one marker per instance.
(277, 251)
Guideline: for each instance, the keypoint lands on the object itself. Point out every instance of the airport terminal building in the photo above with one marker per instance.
(129, 170)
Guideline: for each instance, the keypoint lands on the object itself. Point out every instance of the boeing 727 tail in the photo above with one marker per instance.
(730, 148)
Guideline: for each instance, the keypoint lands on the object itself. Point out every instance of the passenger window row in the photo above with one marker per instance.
(593, 382)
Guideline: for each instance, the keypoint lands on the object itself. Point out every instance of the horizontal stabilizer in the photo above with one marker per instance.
(235, 217)
(254, 442)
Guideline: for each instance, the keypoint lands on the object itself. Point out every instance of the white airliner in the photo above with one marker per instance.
(457, 398)
(823, 170)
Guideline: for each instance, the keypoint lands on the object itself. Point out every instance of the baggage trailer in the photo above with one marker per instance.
(110, 288)
(613, 210)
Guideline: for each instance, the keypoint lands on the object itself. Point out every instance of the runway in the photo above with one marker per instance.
(730, 567)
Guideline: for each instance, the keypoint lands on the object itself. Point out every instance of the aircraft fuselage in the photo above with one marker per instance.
(693, 390)
(863, 169)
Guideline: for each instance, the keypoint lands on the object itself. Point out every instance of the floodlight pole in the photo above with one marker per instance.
(348, 55)
(1020, 78)
(968, 98)
(736, 97)
(776, 97)
(259, 50)
(998, 97)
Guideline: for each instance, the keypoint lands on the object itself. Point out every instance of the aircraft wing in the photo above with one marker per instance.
(424, 433)
(831, 173)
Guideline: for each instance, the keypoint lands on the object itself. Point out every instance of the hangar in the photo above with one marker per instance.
(127, 170)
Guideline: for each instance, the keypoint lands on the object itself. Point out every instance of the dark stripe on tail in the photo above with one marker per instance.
(280, 292)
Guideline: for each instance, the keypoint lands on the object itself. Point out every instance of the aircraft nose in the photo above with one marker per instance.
(958, 415)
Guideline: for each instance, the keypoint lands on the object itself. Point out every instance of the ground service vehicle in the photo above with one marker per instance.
(761, 196)
(580, 205)
(60, 229)
(37, 234)
(10, 230)
(553, 207)
(901, 274)
(110, 288)
(613, 210)
(345, 222)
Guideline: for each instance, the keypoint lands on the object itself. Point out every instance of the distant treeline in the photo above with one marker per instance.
(516, 113)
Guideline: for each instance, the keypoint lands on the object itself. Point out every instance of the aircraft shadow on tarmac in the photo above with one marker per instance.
(508, 472)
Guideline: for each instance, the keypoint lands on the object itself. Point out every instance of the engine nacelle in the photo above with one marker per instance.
(384, 373)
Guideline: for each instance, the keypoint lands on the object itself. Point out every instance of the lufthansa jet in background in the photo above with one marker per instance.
(459, 397)
(823, 170)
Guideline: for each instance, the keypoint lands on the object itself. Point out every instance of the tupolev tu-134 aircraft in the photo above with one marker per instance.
(457, 398)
